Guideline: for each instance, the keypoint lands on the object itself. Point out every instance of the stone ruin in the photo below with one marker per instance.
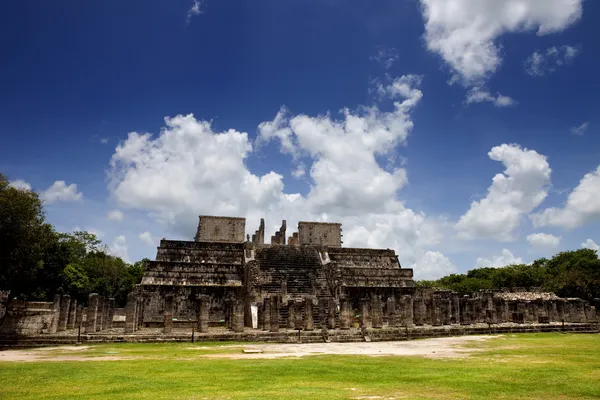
(227, 279)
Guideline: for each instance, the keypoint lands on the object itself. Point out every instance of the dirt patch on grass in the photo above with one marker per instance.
(55, 354)
(451, 347)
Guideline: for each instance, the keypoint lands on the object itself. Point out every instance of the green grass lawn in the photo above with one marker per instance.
(527, 366)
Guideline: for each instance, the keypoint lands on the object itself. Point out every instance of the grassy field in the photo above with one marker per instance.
(530, 366)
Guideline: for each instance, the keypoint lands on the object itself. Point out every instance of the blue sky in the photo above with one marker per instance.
(441, 97)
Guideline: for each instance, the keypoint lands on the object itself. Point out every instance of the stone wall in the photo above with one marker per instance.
(320, 233)
(221, 229)
(29, 318)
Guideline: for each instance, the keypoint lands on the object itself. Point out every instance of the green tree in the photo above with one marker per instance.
(574, 274)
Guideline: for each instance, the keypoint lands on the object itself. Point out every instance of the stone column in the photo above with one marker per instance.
(203, 313)
(56, 314)
(111, 312)
(92, 311)
(436, 312)
(274, 323)
(261, 316)
(392, 313)
(100, 314)
(140, 314)
(331, 314)
(344, 314)
(72, 314)
(299, 321)
(291, 320)
(376, 312)
(79, 316)
(322, 313)
(464, 311)
(130, 313)
(407, 311)
(418, 310)
(267, 314)
(168, 314)
(455, 318)
(364, 313)
(105, 309)
(63, 315)
(308, 315)
(447, 311)
(428, 314)
(237, 316)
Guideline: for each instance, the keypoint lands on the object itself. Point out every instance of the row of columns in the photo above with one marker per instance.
(99, 313)
(68, 314)
(134, 315)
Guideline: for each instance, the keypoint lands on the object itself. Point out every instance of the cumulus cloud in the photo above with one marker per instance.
(479, 95)
(147, 238)
(386, 57)
(582, 205)
(120, 248)
(433, 265)
(581, 129)
(20, 184)
(465, 32)
(60, 191)
(590, 244)
(504, 259)
(520, 189)
(543, 242)
(541, 63)
(195, 10)
(189, 169)
(115, 215)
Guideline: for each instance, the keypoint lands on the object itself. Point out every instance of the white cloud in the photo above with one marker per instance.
(465, 32)
(542, 63)
(189, 170)
(433, 265)
(299, 172)
(504, 259)
(590, 244)
(521, 188)
(582, 205)
(479, 95)
(195, 10)
(147, 238)
(580, 130)
(59, 191)
(119, 248)
(20, 184)
(543, 242)
(386, 57)
(104, 140)
(115, 215)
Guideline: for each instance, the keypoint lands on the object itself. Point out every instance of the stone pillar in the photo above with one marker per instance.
(267, 314)
(72, 314)
(298, 320)
(130, 313)
(464, 311)
(106, 310)
(111, 312)
(376, 312)
(392, 313)
(345, 312)
(100, 314)
(261, 316)
(418, 310)
(55, 314)
(331, 314)
(203, 313)
(436, 312)
(428, 310)
(140, 314)
(446, 311)
(455, 317)
(364, 313)
(79, 316)
(322, 313)
(63, 314)
(237, 316)
(168, 314)
(92, 310)
(407, 311)
(274, 323)
(291, 320)
(308, 315)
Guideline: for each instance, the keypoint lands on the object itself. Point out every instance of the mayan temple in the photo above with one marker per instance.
(227, 273)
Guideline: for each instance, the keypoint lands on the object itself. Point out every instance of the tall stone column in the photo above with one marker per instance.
(63, 315)
(364, 313)
(274, 323)
(140, 314)
(455, 318)
(72, 314)
(55, 314)
(203, 313)
(105, 312)
(464, 311)
(376, 312)
(267, 314)
(308, 315)
(299, 321)
(322, 313)
(407, 311)
(130, 313)
(261, 316)
(79, 316)
(436, 313)
(291, 320)
(100, 314)
(237, 316)
(419, 310)
(111, 312)
(168, 314)
(344, 314)
(392, 313)
(92, 310)
(331, 314)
